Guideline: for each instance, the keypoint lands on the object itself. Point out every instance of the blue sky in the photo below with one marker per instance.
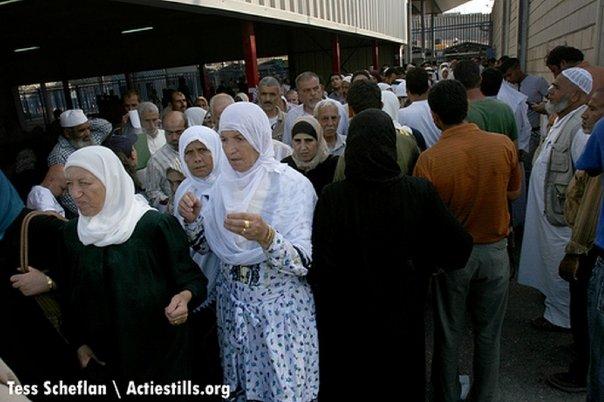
(474, 6)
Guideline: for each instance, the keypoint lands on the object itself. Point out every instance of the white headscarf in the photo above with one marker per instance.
(391, 105)
(258, 190)
(197, 185)
(442, 73)
(208, 263)
(121, 210)
(195, 116)
(383, 86)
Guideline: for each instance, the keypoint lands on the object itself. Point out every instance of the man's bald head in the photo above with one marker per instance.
(218, 103)
(55, 180)
(597, 97)
(174, 123)
(594, 112)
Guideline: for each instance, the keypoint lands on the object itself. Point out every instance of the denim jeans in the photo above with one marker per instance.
(595, 317)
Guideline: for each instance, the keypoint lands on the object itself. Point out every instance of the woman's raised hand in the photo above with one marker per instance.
(189, 207)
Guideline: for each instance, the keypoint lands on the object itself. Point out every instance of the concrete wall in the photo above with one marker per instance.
(550, 23)
(499, 21)
(505, 17)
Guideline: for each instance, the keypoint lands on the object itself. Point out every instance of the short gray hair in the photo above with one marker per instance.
(307, 75)
(219, 96)
(269, 82)
(324, 104)
(147, 107)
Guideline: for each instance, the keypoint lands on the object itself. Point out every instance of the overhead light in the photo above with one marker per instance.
(129, 31)
(4, 3)
(26, 49)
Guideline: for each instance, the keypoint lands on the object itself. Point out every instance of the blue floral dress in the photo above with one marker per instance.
(266, 323)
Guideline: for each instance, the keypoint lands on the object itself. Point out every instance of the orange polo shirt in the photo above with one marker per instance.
(472, 171)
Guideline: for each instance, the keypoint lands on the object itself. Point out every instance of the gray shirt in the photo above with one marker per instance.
(535, 88)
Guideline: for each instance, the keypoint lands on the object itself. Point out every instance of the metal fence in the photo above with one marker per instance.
(94, 94)
(442, 31)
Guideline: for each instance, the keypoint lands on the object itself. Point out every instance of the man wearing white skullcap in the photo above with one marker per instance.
(546, 230)
(78, 132)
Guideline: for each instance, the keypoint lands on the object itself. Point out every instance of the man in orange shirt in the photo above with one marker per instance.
(475, 173)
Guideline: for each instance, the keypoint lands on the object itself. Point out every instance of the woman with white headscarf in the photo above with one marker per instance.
(258, 222)
(129, 278)
(445, 72)
(201, 157)
(195, 116)
(311, 155)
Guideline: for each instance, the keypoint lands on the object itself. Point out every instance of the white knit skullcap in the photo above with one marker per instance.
(72, 118)
(580, 77)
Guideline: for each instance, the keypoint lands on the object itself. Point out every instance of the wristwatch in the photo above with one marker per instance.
(50, 283)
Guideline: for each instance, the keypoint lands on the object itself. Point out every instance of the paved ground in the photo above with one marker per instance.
(528, 355)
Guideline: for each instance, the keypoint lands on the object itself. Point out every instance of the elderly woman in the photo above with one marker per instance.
(258, 223)
(201, 156)
(311, 155)
(129, 278)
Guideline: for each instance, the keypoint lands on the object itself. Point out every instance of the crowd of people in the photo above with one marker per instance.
(286, 246)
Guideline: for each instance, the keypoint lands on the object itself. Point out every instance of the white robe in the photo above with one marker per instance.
(543, 244)
(41, 199)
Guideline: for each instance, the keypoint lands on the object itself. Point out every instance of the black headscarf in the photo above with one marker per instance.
(371, 149)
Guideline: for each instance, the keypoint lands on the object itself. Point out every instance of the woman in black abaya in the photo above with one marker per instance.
(377, 236)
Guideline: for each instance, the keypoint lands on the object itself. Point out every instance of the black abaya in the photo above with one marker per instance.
(377, 236)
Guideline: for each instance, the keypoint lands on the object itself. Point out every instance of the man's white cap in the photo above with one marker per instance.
(580, 77)
(72, 118)
(348, 78)
(401, 90)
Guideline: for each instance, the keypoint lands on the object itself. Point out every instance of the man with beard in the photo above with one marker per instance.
(582, 208)
(269, 92)
(310, 92)
(78, 132)
(546, 229)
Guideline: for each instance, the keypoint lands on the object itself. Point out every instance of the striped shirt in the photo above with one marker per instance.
(157, 186)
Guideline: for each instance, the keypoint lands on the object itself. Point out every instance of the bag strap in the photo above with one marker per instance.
(24, 252)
